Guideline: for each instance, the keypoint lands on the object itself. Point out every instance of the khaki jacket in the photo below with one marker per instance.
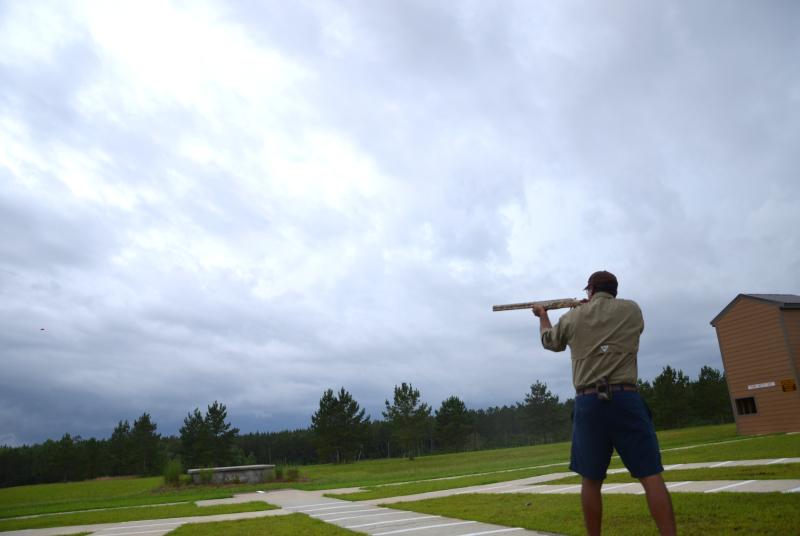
(603, 338)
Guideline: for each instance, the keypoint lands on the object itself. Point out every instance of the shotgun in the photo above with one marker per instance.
(547, 304)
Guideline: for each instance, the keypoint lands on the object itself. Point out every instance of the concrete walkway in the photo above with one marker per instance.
(379, 521)
(537, 484)
(367, 517)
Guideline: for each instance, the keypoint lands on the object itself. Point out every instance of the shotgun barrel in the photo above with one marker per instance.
(547, 304)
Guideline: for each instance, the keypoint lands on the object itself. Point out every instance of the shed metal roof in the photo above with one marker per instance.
(784, 301)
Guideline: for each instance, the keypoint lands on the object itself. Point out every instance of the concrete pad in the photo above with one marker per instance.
(380, 516)
(501, 471)
(763, 486)
(395, 518)
(365, 517)
(343, 490)
(700, 486)
(349, 514)
(236, 499)
(630, 487)
(290, 498)
(766, 461)
(440, 527)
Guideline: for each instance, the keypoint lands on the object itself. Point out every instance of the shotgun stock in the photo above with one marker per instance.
(547, 304)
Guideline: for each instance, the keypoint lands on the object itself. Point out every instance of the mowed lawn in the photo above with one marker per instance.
(697, 514)
(126, 492)
(516, 461)
(118, 515)
(701, 444)
(783, 471)
(104, 493)
(392, 477)
(425, 486)
(393, 471)
(288, 525)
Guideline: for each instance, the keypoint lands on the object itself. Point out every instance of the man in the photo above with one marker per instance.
(603, 337)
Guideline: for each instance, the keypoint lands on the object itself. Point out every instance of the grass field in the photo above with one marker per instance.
(746, 448)
(289, 525)
(722, 448)
(105, 493)
(381, 492)
(393, 477)
(128, 514)
(374, 473)
(709, 443)
(719, 514)
(752, 472)
(393, 471)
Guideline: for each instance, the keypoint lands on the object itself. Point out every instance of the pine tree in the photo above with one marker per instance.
(543, 413)
(119, 446)
(453, 424)
(340, 427)
(709, 398)
(221, 434)
(670, 400)
(145, 446)
(195, 441)
(408, 418)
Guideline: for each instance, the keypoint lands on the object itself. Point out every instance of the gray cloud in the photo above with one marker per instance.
(266, 200)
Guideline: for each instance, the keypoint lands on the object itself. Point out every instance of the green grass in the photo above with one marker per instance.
(743, 448)
(129, 514)
(381, 492)
(751, 472)
(288, 525)
(721, 448)
(696, 435)
(391, 477)
(109, 493)
(705, 442)
(372, 473)
(386, 471)
(26, 500)
(719, 514)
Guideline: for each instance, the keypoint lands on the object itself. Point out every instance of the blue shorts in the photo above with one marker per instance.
(623, 423)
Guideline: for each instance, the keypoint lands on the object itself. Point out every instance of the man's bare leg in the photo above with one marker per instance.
(660, 504)
(592, 503)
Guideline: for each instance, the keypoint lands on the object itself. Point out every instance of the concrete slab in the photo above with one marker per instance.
(236, 499)
(501, 471)
(364, 516)
(704, 486)
(535, 484)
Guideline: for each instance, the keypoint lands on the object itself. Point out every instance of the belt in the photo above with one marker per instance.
(611, 387)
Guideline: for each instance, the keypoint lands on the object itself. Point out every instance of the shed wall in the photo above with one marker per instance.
(754, 350)
(791, 318)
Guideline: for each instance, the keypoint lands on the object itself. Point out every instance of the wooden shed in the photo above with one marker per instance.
(759, 339)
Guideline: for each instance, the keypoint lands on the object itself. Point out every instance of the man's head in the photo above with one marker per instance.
(602, 282)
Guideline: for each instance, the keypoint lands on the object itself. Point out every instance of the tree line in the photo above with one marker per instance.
(340, 431)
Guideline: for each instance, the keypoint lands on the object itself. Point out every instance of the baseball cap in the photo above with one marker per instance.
(601, 278)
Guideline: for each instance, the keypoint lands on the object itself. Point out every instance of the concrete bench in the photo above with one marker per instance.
(251, 474)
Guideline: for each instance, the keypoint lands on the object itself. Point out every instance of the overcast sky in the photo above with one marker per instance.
(252, 202)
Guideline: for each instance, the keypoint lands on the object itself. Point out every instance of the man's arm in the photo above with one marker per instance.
(553, 338)
(544, 320)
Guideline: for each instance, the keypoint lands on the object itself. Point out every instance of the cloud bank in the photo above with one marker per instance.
(254, 202)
